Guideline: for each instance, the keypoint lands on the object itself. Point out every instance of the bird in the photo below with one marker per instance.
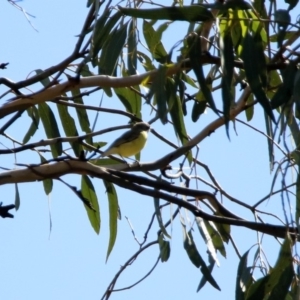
(131, 142)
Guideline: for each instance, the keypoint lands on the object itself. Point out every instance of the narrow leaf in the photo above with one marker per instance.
(47, 183)
(17, 197)
(176, 112)
(132, 48)
(240, 286)
(88, 192)
(69, 127)
(209, 244)
(82, 114)
(130, 99)
(227, 64)
(113, 215)
(159, 218)
(153, 40)
(164, 248)
(194, 44)
(34, 115)
(50, 126)
(191, 13)
(250, 57)
(159, 90)
(111, 50)
(102, 32)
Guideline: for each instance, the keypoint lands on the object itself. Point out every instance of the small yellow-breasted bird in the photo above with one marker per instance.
(131, 142)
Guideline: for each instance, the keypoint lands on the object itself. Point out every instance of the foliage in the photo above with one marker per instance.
(247, 54)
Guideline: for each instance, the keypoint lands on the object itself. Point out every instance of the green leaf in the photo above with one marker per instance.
(113, 215)
(50, 126)
(189, 80)
(69, 127)
(191, 13)
(111, 50)
(199, 106)
(17, 197)
(224, 230)
(145, 61)
(257, 289)
(194, 44)
(227, 64)
(132, 48)
(240, 286)
(296, 93)
(82, 114)
(88, 192)
(46, 81)
(34, 115)
(159, 90)
(159, 218)
(102, 31)
(251, 56)
(153, 40)
(297, 217)
(203, 279)
(130, 99)
(207, 238)
(282, 274)
(175, 109)
(276, 284)
(270, 141)
(164, 248)
(287, 35)
(215, 237)
(285, 90)
(196, 259)
(190, 248)
(250, 110)
(47, 183)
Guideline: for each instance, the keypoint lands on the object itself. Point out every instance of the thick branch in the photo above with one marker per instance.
(55, 170)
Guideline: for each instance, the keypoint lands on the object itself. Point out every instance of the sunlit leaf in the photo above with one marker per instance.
(207, 238)
(240, 286)
(215, 237)
(153, 40)
(130, 99)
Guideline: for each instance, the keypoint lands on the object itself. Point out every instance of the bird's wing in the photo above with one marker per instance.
(126, 137)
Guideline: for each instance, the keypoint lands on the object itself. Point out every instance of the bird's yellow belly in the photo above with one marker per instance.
(133, 147)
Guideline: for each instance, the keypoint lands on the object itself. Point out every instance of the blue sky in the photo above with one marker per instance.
(69, 261)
